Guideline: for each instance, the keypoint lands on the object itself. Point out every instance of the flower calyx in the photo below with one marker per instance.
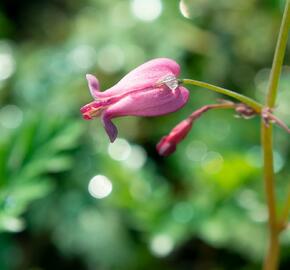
(244, 111)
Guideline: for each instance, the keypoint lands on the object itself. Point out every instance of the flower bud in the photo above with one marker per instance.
(167, 144)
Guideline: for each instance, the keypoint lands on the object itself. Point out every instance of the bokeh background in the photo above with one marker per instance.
(70, 200)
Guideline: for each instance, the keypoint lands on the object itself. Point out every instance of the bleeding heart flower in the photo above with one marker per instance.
(151, 89)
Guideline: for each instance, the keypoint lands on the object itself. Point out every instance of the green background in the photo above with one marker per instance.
(201, 208)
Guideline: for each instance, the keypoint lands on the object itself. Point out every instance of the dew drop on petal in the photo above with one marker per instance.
(170, 81)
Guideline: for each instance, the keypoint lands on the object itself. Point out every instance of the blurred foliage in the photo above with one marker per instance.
(203, 207)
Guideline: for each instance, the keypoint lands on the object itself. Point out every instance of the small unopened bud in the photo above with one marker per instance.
(167, 144)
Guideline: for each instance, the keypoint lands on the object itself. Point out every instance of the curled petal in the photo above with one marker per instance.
(94, 85)
(109, 127)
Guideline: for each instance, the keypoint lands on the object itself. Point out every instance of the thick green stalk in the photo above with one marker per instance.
(246, 100)
(285, 213)
(272, 257)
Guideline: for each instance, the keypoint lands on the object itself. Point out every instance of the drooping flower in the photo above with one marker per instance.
(151, 89)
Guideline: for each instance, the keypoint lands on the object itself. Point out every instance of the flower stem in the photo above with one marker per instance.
(272, 257)
(285, 213)
(246, 100)
(271, 260)
(198, 113)
(278, 57)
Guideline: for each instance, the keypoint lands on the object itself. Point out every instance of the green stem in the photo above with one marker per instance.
(278, 58)
(246, 100)
(272, 257)
(285, 212)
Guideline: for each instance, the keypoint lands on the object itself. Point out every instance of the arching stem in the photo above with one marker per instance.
(246, 100)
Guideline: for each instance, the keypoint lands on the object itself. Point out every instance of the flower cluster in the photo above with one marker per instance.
(153, 89)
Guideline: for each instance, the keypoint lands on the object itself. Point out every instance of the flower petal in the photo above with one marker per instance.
(153, 102)
(143, 77)
(110, 128)
(94, 85)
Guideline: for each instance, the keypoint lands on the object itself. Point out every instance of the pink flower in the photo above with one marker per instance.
(151, 89)
(167, 144)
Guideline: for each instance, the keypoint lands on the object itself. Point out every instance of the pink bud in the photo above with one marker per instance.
(168, 144)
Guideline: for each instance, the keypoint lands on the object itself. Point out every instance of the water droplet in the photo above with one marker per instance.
(170, 81)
